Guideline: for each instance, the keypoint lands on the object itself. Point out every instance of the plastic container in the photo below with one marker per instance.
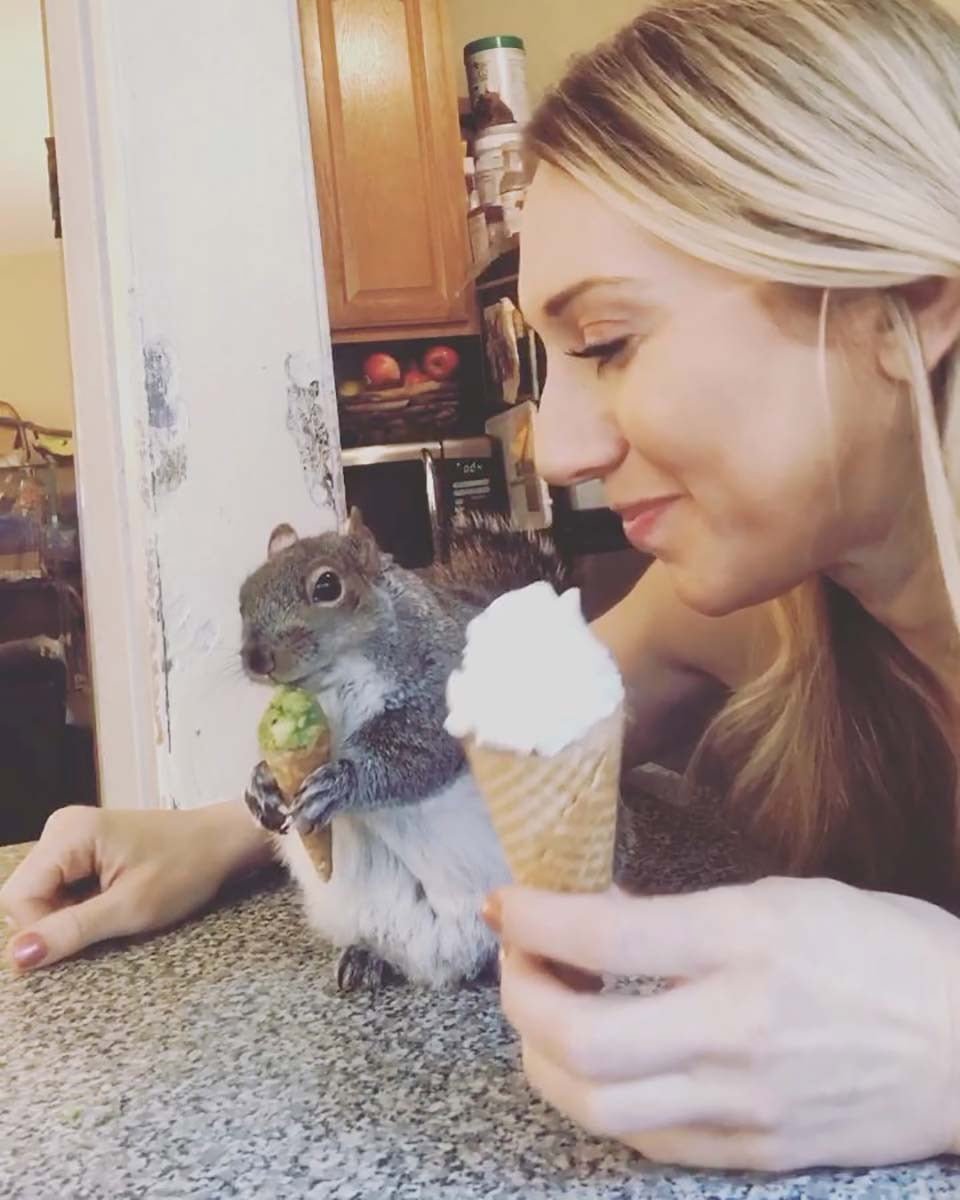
(477, 229)
(493, 141)
(497, 79)
(513, 188)
(496, 228)
(492, 150)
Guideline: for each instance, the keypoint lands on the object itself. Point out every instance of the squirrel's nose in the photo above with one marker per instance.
(258, 659)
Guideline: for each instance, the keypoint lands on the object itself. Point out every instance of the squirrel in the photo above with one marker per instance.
(414, 851)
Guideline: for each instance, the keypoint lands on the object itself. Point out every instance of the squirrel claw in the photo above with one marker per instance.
(265, 801)
(323, 794)
(360, 968)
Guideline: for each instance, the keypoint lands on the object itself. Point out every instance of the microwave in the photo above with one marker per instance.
(409, 493)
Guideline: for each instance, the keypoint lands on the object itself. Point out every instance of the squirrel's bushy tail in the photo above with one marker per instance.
(487, 558)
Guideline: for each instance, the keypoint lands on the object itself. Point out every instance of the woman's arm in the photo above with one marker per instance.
(152, 868)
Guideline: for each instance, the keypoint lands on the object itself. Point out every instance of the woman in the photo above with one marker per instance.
(753, 340)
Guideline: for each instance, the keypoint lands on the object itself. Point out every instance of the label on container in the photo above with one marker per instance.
(497, 79)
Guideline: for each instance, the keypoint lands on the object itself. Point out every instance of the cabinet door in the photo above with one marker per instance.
(386, 144)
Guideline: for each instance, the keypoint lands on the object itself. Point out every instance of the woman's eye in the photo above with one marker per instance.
(603, 352)
(325, 588)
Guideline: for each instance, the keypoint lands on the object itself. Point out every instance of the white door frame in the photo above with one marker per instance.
(182, 136)
(97, 270)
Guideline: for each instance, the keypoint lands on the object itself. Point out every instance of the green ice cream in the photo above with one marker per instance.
(293, 721)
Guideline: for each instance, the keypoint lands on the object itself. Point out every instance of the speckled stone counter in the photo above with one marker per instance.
(218, 1061)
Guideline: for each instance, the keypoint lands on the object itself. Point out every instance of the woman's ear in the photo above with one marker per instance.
(935, 304)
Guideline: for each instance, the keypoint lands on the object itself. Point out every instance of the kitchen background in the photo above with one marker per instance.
(218, 360)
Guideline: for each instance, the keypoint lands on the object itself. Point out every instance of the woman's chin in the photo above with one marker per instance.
(712, 594)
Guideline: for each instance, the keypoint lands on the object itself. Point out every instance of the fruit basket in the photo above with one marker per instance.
(390, 404)
(377, 416)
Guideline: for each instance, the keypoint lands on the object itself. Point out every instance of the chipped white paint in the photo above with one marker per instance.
(313, 434)
(166, 420)
(205, 366)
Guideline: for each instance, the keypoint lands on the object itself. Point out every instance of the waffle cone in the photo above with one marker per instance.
(556, 815)
(290, 768)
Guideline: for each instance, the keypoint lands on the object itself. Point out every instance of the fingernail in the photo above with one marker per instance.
(492, 913)
(28, 951)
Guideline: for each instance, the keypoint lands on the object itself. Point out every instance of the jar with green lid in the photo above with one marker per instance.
(497, 79)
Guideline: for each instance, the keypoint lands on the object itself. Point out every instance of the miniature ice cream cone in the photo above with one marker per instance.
(295, 741)
(543, 737)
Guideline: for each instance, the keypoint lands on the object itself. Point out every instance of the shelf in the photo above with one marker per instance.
(407, 333)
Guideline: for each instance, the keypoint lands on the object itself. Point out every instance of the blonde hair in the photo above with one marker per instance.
(813, 143)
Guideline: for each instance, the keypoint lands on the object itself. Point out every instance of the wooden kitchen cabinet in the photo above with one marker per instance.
(382, 95)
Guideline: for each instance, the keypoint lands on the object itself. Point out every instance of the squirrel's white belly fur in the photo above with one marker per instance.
(408, 881)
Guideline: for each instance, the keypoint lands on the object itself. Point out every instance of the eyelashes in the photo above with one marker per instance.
(604, 353)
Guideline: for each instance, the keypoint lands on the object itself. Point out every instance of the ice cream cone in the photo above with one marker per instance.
(556, 815)
(290, 768)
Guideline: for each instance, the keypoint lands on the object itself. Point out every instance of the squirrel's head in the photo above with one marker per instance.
(311, 603)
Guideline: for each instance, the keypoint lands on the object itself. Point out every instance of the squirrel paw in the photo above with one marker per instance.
(325, 792)
(487, 974)
(265, 800)
(359, 968)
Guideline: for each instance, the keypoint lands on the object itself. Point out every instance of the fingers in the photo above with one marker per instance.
(31, 891)
(70, 929)
(622, 1110)
(614, 1038)
(699, 1147)
(66, 853)
(668, 936)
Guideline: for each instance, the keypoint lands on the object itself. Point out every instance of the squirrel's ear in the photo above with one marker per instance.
(282, 538)
(364, 541)
(355, 525)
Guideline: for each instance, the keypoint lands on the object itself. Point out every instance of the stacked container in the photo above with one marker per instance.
(497, 78)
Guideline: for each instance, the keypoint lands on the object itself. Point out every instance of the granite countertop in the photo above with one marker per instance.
(217, 1060)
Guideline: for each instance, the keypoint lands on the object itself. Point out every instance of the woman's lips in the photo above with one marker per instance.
(640, 521)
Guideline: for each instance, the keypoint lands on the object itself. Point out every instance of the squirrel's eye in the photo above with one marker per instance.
(324, 587)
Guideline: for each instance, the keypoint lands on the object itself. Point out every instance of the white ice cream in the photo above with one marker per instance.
(534, 677)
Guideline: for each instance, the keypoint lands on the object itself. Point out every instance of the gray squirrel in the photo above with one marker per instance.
(414, 852)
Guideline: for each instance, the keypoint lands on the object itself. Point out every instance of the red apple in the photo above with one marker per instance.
(441, 362)
(413, 375)
(381, 370)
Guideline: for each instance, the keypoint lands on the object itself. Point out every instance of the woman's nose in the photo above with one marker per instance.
(575, 439)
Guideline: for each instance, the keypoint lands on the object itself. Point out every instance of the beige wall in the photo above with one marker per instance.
(551, 29)
(34, 348)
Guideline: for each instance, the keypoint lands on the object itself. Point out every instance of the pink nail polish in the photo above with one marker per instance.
(28, 951)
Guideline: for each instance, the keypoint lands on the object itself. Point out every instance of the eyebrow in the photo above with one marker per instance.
(556, 304)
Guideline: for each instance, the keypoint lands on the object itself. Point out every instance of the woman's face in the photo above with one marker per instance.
(738, 453)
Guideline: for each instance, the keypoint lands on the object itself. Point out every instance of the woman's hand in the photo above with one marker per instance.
(809, 1024)
(153, 868)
